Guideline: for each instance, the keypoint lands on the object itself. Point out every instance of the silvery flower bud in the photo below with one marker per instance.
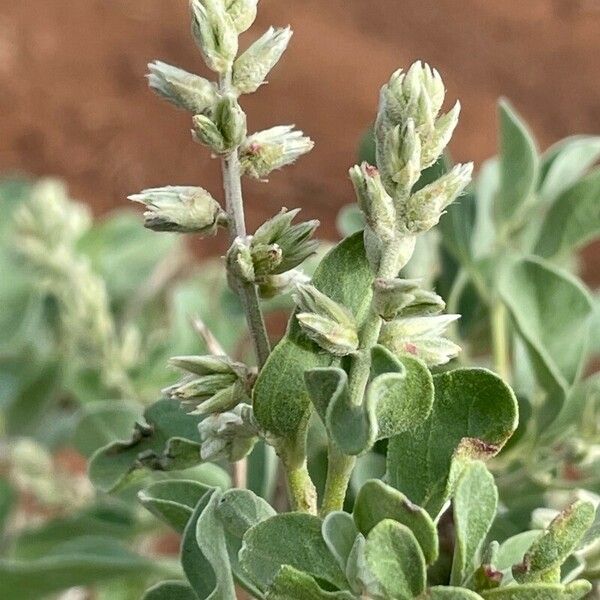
(182, 209)
(402, 159)
(421, 337)
(425, 303)
(215, 33)
(374, 201)
(216, 384)
(251, 68)
(327, 323)
(226, 130)
(228, 436)
(417, 95)
(390, 296)
(265, 151)
(239, 262)
(422, 211)
(277, 285)
(183, 89)
(242, 12)
(278, 246)
(335, 338)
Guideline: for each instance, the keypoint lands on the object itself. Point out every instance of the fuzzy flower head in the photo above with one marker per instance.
(272, 149)
(182, 209)
(182, 89)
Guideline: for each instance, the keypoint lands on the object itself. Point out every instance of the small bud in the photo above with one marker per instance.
(215, 33)
(278, 246)
(435, 144)
(251, 68)
(228, 436)
(421, 337)
(182, 209)
(242, 12)
(390, 296)
(402, 158)
(217, 384)
(272, 149)
(374, 201)
(423, 210)
(239, 262)
(277, 285)
(226, 130)
(310, 299)
(425, 304)
(183, 89)
(335, 338)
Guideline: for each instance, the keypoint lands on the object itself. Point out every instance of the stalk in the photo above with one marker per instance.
(232, 186)
(500, 341)
(395, 256)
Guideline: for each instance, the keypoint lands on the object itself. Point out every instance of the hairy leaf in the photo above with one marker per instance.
(540, 591)
(167, 440)
(552, 313)
(339, 533)
(519, 166)
(394, 560)
(550, 550)
(474, 414)
(449, 593)
(474, 503)
(573, 220)
(291, 583)
(292, 539)
(377, 501)
(173, 501)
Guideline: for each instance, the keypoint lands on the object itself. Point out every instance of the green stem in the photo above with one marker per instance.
(248, 293)
(302, 492)
(339, 471)
(394, 257)
(500, 340)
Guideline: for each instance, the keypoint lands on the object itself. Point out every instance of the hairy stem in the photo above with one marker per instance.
(248, 293)
(340, 466)
(302, 492)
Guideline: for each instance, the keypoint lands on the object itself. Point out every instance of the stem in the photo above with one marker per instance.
(500, 340)
(232, 185)
(302, 492)
(339, 471)
(394, 257)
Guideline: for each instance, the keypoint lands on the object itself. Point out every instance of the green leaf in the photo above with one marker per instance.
(402, 397)
(457, 227)
(101, 423)
(552, 313)
(210, 536)
(292, 539)
(573, 220)
(474, 504)
(565, 163)
(513, 549)
(550, 550)
(394, 560)
(519, 166)
(238, 511)
(449, 593)
(350, 220)
(540, 591)
(339, 533)
(281, 401)
(291, 583)
(79, 562)
(262, 470)
(170, 590)
(168, 440)
(377, 501)
(474, 414)
(196, 567)
(173, 501)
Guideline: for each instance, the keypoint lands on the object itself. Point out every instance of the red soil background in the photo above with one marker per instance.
(74, 103)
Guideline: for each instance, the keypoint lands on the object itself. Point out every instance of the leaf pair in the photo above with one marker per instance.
(398, 397)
